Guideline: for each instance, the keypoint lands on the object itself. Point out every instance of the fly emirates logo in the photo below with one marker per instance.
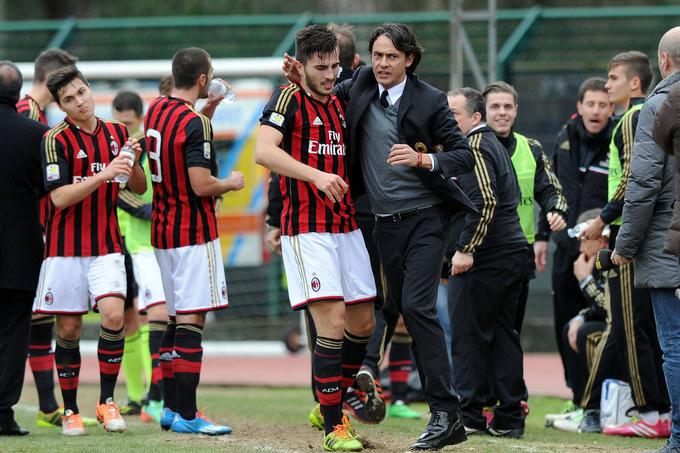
(332, 147)
(95, 167)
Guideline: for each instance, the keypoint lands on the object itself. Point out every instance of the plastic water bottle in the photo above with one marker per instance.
(219, 89)
(130, 154)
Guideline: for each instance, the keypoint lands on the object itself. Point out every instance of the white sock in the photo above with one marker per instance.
(664, 416)
(651, 417)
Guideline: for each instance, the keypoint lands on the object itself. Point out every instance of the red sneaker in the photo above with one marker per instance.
(525, 409)
(487, 412)
(638, 428)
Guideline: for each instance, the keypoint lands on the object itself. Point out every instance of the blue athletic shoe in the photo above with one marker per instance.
(167, 416)
(198, 426)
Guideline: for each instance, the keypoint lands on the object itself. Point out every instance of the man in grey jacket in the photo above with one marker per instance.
(646, 216)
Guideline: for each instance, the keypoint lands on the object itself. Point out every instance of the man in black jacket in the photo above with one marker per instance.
(483, 294)
(21, 245)
(395, 121)
(581, 164)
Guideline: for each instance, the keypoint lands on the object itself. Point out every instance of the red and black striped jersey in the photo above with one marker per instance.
(31, 109)
(71, 155)
(314, 134)
(177, 138)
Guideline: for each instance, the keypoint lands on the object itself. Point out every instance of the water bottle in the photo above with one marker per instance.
(578, 230)
(130, 154)
(219, 89)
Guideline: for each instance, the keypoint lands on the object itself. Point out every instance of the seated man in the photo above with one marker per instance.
(583, 332)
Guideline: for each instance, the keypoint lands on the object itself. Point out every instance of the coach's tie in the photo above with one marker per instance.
(383, 99)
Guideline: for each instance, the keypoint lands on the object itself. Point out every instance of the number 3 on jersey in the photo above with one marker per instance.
(155, 155)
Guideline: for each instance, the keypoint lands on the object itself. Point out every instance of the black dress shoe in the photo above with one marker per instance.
(10, 428)
(445, 428)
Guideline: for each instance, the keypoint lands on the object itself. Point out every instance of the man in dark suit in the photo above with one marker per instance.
(21, 244)
(395, 122)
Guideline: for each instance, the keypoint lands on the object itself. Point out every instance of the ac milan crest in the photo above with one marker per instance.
(49, 298)
(316, 284)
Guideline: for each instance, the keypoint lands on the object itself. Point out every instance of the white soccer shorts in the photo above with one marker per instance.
(69, 285)
(327, 267)
(193, 278)
(148, 278)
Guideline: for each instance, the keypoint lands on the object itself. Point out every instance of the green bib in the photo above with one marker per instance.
(137, 232)
(615, 167)
(525, 168)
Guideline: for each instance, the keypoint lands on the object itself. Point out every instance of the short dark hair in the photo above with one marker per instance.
(591, 84)
(128, 100)
(188, 65)
(636, 64)
(474, 101)
(403, 39)
(49, 61)
(590, 214)
(500, 87)
(347, 43)
(10, 81)
(314, 39)
(62, 77)
(165, 85)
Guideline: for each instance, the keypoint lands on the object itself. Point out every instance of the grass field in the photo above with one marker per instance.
(274, 420)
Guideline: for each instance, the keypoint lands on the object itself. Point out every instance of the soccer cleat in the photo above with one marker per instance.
(400, 409)
(109, 416)
(341, 440)
(355, 406)
(666, 425)
(569, 424)
(49, 419)
(375, 404)
(198, 425)
(131, 408)
(151, 412)
(525, 409)
(550, 419)
(316, 418)
(488, 414)
(637, 428)
(72, 424)
(513, 433)
(167, 416)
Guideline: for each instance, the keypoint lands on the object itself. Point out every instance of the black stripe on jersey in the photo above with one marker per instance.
(118, 130)
(337, 126)
(177, 222)
(306, 122)
(61, 234)
(78, 224)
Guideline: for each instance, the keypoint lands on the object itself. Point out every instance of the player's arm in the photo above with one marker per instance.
(137, 180)
(199, 158)
(270, 155)
(66, 194)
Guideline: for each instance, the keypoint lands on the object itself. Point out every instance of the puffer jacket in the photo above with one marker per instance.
(649, 199)
(667, 136)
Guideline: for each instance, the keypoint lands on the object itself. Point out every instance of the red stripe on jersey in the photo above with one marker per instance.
(29, 108)
(179, 217)
(317, 139)
(90, 227)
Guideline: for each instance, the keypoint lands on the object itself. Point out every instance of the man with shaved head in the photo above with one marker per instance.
(647, 214)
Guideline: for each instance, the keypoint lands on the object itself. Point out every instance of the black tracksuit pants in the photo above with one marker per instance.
(579, 363)
(411, 252)
(632, 343)
(15, 312)
(485, 344)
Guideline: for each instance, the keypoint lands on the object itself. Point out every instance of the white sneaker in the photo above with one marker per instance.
(550, 419)
(570, 425)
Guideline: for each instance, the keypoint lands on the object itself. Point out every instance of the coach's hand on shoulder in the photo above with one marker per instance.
(461, 262)
(291, 72)
(235, 181)
(331, 184)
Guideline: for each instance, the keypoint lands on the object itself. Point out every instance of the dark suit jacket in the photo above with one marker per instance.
(424, 122)
(21, 185)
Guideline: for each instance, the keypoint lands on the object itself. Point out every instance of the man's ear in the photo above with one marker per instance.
(579, 107)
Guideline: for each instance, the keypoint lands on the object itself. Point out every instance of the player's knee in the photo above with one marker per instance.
(69, 330)
(113, 320)
(363, 325)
